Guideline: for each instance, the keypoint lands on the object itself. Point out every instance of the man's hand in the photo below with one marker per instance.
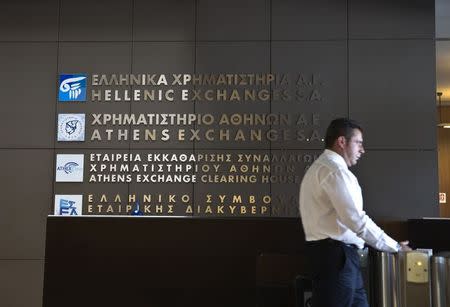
(404, 246)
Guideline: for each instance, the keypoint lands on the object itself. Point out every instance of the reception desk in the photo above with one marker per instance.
(431, 233)
(181, 261)
(158, 261)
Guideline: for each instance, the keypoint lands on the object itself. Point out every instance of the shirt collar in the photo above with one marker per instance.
(334, 156)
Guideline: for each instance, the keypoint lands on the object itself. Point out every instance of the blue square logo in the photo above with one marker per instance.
(71, 205)
(72, 87)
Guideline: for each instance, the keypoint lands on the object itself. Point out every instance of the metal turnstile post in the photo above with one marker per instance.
(440, 282)
(383, 279)
(401, 279)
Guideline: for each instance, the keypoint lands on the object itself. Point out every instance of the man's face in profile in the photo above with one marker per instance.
(353, 148)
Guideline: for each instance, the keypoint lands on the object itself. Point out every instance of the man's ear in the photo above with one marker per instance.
(341, 141)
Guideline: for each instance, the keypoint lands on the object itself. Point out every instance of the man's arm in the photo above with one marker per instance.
(338, 188)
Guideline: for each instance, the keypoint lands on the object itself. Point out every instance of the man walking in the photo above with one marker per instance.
(335, 225)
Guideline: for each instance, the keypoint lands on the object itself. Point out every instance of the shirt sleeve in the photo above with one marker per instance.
(339, 187)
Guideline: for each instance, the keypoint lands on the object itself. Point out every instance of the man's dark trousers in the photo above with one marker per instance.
(336, 274)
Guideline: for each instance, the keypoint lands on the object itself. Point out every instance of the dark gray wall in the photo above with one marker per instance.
(378, 59)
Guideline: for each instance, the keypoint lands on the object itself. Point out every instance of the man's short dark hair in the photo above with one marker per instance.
(340, 127)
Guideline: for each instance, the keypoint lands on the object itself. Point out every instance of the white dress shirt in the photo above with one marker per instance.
(331, 206)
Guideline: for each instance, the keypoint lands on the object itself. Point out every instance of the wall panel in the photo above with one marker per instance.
(28, 20)
(384, 19)
(309, 20)
(103, 20)
(21, 282)
(233, 20)
(392, 92)
(164, 20)
(26, 184)
(399, 185)
(28, 94)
